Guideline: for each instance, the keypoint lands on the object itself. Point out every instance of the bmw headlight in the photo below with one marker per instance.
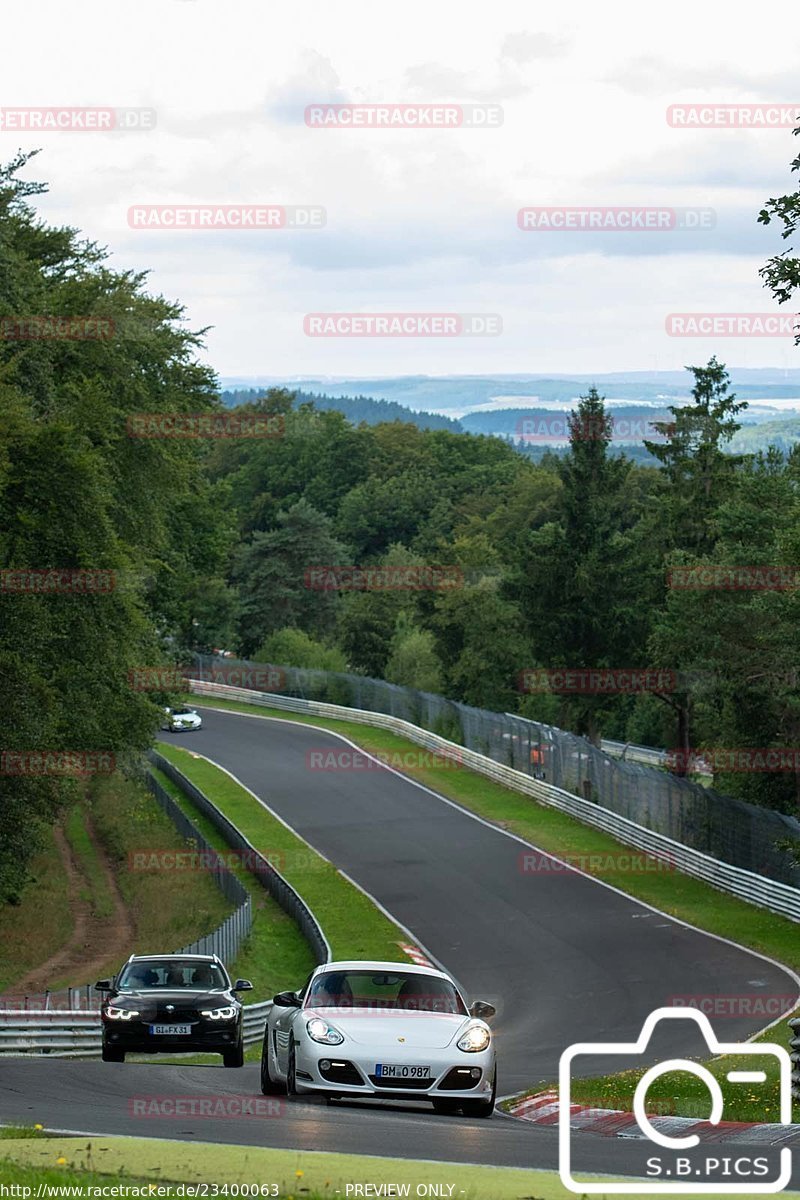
(321, 1031)
(121, 1014)
(476, 1038)
(219, 1014)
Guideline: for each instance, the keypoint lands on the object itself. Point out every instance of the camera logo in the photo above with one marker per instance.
(676, 1170)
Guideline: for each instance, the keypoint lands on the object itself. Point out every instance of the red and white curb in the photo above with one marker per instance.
(415, 954)
(543, 1109)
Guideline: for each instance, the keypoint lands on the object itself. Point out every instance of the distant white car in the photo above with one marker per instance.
(381, 1029)
(179, 720)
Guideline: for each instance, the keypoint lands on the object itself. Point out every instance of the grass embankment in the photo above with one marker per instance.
(596, 853)
(167, 909)
(311, 1175)
(33, 930)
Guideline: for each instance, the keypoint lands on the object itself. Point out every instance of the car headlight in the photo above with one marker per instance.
(321, 1031)
(219, 1014)
(475, 1039)
(121, 1014)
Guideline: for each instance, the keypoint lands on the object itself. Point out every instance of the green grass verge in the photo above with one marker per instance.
(295, 1174)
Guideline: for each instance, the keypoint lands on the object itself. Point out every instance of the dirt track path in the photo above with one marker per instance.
(94, 940)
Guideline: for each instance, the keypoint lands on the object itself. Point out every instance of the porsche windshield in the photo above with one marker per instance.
(409, 992)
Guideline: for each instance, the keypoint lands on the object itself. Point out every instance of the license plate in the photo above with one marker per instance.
(176, 1030)
(401, 1071)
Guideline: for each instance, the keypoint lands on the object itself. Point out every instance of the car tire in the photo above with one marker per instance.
(481, 1108)
(269, 1086)
(112, 1054)
(445, 1106)
(235, 1056)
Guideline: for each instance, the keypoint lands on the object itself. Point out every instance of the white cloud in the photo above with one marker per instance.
(420, 220)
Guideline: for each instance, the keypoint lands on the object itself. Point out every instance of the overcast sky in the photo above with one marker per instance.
(422, 220)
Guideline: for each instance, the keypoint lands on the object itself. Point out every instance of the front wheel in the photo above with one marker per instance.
(112, 1054)
(235, 1056)
(481, 1108)
(268, 1085)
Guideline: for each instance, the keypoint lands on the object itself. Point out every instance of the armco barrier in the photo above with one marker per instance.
(290, 901)
(746, 885)
(65, 1034)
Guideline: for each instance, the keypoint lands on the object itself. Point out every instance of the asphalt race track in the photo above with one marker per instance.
(563, 958)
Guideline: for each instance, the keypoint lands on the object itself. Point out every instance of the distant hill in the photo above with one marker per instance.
(537, 430)
(459, 394)
(783, 434)
(354, 408)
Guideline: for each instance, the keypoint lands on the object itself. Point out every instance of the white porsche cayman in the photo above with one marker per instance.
(382, 1029)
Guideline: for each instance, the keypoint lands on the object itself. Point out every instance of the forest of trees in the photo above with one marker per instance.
(561, 563)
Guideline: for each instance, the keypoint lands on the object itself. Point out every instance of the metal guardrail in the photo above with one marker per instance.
(228, 937)
(794, 1044)
(76, 1032)
(66, 1034)
(279, 888)
(649, 756)
(757, 889)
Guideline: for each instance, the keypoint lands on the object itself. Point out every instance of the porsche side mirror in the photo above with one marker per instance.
(287, 1000)
(242, 985)
(482, 1010)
